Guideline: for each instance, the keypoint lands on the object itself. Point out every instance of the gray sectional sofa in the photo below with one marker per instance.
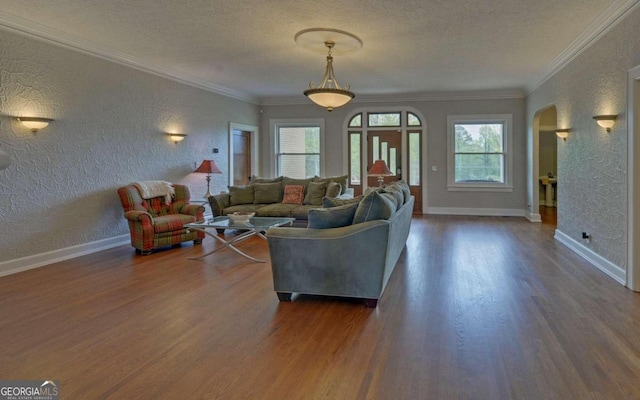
(267, 197)
(349, 249)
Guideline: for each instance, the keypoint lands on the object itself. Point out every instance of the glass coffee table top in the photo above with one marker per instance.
(255, 226)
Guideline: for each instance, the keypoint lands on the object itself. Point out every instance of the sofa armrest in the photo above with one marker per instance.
(219, 202)
(139, 216)
(193, 209)
(347, 261)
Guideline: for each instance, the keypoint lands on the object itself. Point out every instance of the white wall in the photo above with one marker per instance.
(592, 164)
(109, 130)
(435, 113)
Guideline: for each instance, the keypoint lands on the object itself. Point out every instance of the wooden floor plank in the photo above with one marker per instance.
(477, 308)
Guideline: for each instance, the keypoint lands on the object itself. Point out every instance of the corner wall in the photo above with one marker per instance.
(109, 130)
(592, 164)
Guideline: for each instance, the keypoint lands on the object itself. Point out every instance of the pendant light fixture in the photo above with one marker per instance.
(329, 94)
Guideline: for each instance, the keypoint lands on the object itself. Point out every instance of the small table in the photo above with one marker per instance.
(255, 226)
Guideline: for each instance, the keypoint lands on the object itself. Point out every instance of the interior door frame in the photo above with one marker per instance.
(633, 180)
(255, 154)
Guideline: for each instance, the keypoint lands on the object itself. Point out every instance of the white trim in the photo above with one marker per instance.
(274, 123)
(600, 26)
(255, 149)
(50, 257)
(507, 121)
(606, 266)
(633, 180)
(53, 36)
(532, 217)
(481, 212)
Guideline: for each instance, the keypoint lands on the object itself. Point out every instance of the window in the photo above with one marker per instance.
(384, 119)
(479, 156)
(354, 158)
(297, 147)
(356, 121)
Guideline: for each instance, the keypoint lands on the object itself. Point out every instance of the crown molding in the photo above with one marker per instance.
(601, 25)
(404, 97)
(22, 26)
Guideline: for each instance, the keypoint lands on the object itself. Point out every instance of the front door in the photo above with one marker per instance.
(386, 146)
(241, 157)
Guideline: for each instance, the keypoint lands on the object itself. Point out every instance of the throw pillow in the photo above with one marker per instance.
(293, 194)
(267, 193)
(333, 189)
(325, 218)
(397, 194)
(342, 180)
(240, 195)
(328, 202)
(315, 193)
(374, 206)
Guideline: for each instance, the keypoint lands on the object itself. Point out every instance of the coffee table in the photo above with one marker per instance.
(256, 226)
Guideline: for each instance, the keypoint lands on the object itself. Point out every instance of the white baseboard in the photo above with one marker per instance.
(619, 274)
(485, 212)
(50, 257)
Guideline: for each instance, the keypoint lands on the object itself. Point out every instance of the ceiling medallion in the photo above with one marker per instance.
(329, 94)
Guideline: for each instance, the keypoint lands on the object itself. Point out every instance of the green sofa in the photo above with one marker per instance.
(354, 259)
(267, 197)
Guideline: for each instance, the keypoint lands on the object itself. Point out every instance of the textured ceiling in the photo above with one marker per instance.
(247, 48)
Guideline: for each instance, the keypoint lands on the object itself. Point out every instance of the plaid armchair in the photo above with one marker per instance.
(153, 223)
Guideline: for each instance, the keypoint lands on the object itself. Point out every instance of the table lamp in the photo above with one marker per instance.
(208, 167)
(379, 169)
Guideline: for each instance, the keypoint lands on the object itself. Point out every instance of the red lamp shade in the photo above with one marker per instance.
(208, 167)
(379, 168)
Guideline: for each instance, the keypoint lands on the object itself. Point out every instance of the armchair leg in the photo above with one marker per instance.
(220, 231)
(197, 241)
(144, 252)
(283, 296)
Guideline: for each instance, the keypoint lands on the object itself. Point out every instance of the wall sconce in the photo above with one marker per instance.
(562, 133)
(34, 123)
(177, 137)
(606, 121)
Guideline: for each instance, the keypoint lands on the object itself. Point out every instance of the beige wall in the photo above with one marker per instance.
(435, 114)
(60, 190)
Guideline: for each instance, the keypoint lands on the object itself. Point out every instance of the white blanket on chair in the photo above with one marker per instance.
(151, 189)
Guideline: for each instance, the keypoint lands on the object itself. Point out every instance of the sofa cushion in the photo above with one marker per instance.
(171, 222)
(342, 180)
(333, 189)
(293, 194)
(328, 202)
(302, 212)
(257, 179)
(315, 193)
(242, 208)
(292, 181)
(396, 193)
(335, 217)
(404, 187)
(276, 210)
(374, 206)
(267, 193)
(240, 195)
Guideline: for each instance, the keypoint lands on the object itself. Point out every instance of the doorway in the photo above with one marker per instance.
(241, 157)
(547, 181)
(243, 153)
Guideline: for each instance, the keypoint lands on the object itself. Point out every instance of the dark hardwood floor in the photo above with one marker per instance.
(477, 308)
